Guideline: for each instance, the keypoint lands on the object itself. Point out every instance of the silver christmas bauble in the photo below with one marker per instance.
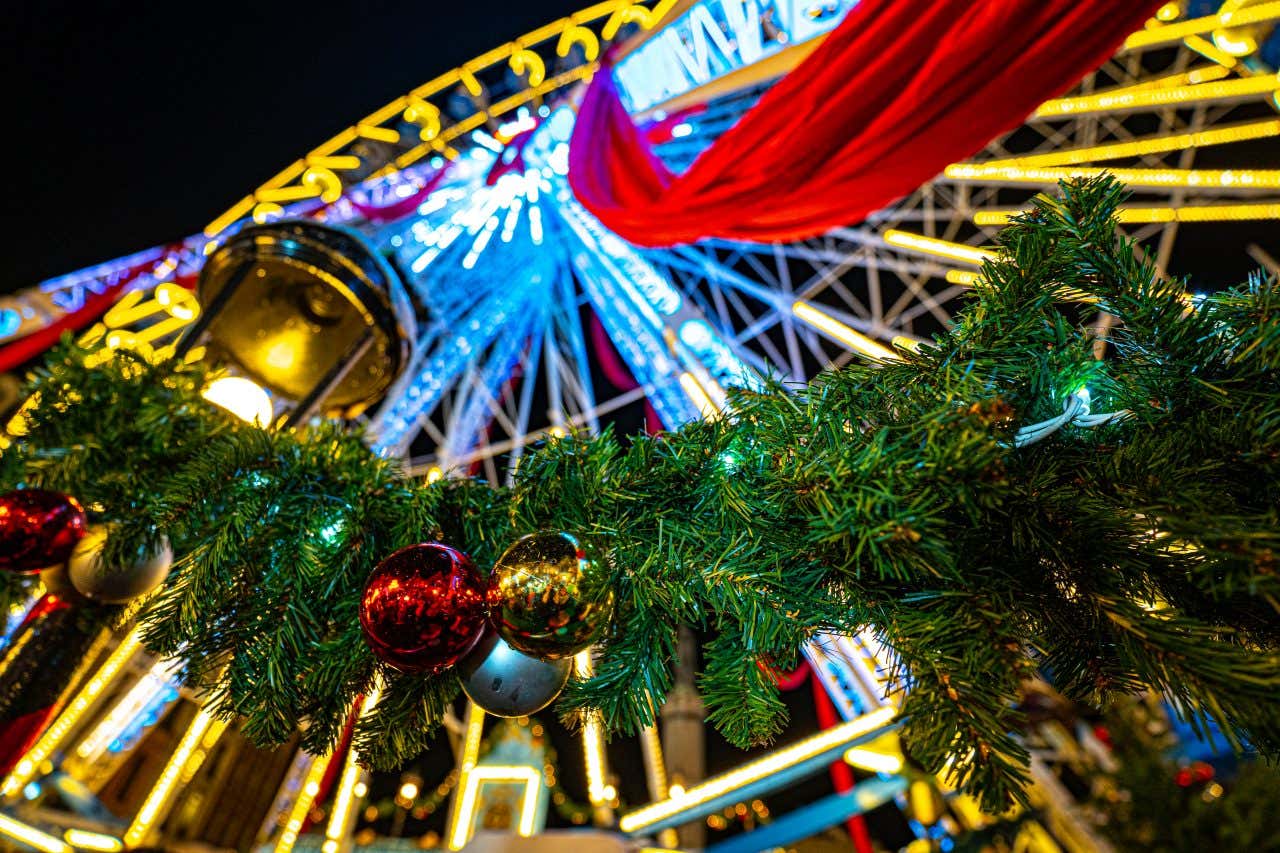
(116, 584)
(508, 683)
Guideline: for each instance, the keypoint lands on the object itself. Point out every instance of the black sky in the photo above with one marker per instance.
(136, 123)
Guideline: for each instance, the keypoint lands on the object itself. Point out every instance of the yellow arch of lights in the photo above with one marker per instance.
(319, 173)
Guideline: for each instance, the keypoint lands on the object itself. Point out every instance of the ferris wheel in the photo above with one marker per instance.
(525, 318)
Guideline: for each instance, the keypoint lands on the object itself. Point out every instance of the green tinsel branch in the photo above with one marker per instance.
(883, 496)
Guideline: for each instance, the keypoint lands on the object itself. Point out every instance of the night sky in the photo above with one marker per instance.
(136, 123)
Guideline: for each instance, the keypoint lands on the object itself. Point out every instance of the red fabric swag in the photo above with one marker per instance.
(899, 90)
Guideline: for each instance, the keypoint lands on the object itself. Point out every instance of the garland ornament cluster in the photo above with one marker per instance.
(962, 503)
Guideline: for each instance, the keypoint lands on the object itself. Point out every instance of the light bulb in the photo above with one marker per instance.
(242, 398)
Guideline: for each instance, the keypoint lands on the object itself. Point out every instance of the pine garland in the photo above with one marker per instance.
(1135, 553)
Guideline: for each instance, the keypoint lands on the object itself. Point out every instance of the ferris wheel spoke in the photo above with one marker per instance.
(432, 374)
(479, 400)
(693, 270)
(568, 342)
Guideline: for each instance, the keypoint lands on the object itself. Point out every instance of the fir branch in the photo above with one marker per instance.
(1134, 554)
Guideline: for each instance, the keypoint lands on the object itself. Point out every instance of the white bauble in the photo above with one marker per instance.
(110, 584)
(509, 683)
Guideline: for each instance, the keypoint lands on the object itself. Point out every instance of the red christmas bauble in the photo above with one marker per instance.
(38, 529)
(423, 608)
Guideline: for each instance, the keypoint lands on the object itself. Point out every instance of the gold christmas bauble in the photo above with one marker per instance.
(547, 598)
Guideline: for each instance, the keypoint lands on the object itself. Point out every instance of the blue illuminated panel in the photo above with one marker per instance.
(716, 37)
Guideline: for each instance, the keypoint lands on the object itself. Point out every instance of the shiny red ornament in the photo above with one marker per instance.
(38, 529)
(423, 608)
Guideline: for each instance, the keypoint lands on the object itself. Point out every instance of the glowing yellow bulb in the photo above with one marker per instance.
(846, 335)
(753, 771)
(934, 246)
(408, 790)
(242, 398)
(32, 837)
(86, 840)
(877, 762)
(282, 355)
(676, 791)
(203, 731)
(302, 805)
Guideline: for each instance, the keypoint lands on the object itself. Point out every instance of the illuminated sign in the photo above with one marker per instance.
(716, 37)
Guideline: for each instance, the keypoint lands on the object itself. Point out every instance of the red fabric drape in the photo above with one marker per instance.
(899, 90)
(95, 305)
(400, 207)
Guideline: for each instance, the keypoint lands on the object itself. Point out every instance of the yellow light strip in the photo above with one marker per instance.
(651, 746)
(86, 840)
(129, 706)
(1149, 145)
(846, 335)
(1137, 97)
(237, 211)
(695, 392)
(44, 842)
(754, 771)
(592, 729)
(470, 755)
(25, 770)
(293, 192)
(378, 134)
(934, 246)
(1145, 215)
(876, 762)
(966, 277)
(1201, 178)
(302, 805)
(475, 728)
(182, 765)
(1157, 34)
(470, 790)
(345, 799)
(1210, 51)
(344, 161)
(1203, 74)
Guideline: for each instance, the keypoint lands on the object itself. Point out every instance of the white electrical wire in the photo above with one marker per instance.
(1075, 411)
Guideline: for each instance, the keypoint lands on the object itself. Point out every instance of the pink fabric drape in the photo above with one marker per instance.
(900, 89)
